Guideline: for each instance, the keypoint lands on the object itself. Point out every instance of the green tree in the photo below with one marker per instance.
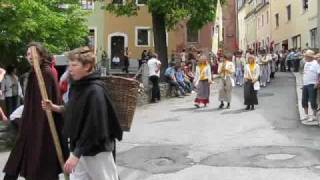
(59, 24)
(166, 14)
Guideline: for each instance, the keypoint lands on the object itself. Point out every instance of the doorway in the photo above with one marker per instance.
(117, 49)
(285, 45)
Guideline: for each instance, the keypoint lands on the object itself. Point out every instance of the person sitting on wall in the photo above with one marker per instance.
(116, 60)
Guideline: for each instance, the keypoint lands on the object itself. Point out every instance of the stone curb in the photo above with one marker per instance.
(299, 85)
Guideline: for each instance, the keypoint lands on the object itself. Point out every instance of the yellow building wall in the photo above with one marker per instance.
(127, 26)
(96, 21)
(300, 24)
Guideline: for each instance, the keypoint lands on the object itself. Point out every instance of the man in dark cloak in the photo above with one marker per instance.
(34, 156)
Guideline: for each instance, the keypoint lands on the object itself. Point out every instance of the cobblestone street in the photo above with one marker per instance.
(172, 140)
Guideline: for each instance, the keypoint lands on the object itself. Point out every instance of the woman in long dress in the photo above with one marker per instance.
(264, 69)
(226, 70)
(239, 62)
(251, 76)
(202, 81)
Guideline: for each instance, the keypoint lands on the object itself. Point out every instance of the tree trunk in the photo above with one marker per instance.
(160, 40)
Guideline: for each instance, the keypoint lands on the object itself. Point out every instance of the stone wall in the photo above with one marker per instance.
(145, 96)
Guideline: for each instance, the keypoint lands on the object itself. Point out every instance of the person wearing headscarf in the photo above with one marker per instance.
(226, 70)
(202, 81)
(264, 68)
(269, 69)
(251, 76)
(239, 62)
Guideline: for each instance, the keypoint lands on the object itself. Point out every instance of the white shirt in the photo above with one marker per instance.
(7, 85)
(311, 72)
(153, 64)
(115, 59)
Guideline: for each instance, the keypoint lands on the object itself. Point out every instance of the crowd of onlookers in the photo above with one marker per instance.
(13, 89)
(11, 92)
(181, 72)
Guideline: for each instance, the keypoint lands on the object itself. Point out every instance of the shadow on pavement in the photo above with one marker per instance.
(236, 111)
(184, 109)
(199, 110)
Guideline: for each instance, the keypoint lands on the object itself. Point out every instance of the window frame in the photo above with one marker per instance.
(305, 5)
(137, 28)
(277, 16)
(296, 41)
(187, 40)
(95, 37)
(289, 12)
(314, 44)
(123, 2)
(86, 7)
(137, 3)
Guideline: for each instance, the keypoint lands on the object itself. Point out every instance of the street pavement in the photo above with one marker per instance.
(172, 140)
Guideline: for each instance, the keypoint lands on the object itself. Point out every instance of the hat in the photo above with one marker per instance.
(309, 53)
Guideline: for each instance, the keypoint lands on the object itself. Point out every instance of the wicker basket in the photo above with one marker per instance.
(124, 94)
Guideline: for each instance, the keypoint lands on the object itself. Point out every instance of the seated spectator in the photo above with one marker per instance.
(171, 80)
(187, 71)
(180, 79)
(116, 60)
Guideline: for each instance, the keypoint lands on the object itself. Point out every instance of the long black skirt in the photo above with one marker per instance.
(250, 95)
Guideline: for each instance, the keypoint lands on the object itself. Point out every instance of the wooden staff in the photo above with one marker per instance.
(44, 95)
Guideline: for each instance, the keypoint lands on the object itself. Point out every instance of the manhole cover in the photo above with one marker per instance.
(266, 157)
(280, 156)
(156, 159)
(163, 161)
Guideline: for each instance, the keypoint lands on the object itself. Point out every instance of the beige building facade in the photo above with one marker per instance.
(242, 28)
(262, 14)
(112, 35)
(294, 23)
(284, 24)
(250, 21)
